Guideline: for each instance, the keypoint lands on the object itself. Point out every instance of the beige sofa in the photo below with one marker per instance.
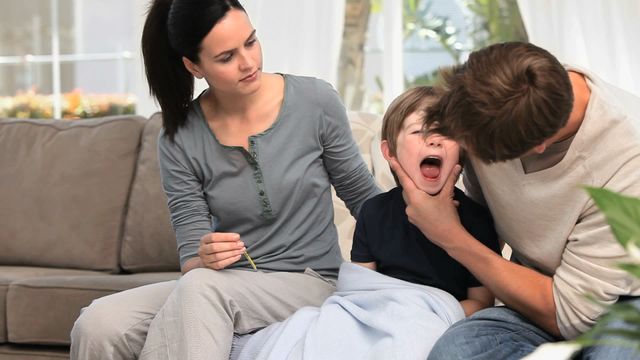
(83, 215)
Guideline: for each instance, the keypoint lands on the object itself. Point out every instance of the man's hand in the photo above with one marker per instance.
(435, 215)
(218, 250)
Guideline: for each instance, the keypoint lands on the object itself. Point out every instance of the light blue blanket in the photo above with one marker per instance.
(370, 316)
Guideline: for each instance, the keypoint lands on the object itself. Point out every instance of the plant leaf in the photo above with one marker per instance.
(633, 269)
(622, 213)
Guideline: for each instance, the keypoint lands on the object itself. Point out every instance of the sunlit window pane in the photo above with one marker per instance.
(92, 61)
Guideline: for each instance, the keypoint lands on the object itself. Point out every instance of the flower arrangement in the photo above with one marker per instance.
(75, 105)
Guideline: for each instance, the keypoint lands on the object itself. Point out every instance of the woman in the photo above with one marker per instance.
(247, 166)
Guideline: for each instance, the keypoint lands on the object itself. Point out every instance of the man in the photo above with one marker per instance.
(535, 132)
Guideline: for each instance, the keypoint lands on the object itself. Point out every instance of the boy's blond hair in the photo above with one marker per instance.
(412, 100)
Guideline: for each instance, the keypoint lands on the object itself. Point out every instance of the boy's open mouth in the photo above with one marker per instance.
(430, 167)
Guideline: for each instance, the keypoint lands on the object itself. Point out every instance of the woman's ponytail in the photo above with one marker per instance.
(169, 81)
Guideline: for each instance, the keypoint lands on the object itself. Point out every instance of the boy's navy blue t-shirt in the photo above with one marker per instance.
(384, 234)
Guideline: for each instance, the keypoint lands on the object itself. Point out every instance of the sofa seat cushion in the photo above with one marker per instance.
(9, 274)
(42, 310)
(64, 189)
(19, 352)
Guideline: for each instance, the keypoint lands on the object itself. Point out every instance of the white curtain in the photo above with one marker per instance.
(600, 35)
(300, 37)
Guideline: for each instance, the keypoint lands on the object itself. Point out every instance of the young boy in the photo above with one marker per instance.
(387, 242)
(417, 292)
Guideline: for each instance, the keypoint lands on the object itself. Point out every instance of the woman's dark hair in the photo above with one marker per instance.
(173, 29)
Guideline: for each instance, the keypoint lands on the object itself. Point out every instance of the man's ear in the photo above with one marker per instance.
(386, 152)
(192, 68)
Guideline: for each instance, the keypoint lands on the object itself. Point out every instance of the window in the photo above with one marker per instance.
(407, 41)
(66, 58)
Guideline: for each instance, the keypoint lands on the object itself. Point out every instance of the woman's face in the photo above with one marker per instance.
(428, 161)
(231, 56)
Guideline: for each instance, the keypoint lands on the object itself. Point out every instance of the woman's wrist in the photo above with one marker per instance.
(192, 263)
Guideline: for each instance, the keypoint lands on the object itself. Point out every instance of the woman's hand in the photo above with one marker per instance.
(435, 215)
(218, 250)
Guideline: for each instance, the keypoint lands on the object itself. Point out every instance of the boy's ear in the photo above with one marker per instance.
(192, 68)
(386, 152)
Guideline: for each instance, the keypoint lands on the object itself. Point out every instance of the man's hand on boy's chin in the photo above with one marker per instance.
(435, 215)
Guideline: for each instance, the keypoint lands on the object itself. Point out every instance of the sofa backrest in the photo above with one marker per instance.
(366, 133)
(149, 243)
(64, 186)
(87, 194)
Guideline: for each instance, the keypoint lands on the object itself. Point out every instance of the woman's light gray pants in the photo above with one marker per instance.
(194, 317)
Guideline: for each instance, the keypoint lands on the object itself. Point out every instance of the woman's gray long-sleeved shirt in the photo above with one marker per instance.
(276, 195)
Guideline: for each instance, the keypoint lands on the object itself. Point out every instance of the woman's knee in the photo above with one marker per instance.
(116, 325)
(202, 281)
(100, 320)
(106, 328)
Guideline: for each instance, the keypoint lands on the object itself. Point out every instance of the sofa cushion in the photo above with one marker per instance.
(9, 274)
(149, 243)
(30, 319)
(64, 187)
(18, 352)
(364, 126)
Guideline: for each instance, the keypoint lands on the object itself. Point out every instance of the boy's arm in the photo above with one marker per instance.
(360, 251)
(369, 265)
(478, 298)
